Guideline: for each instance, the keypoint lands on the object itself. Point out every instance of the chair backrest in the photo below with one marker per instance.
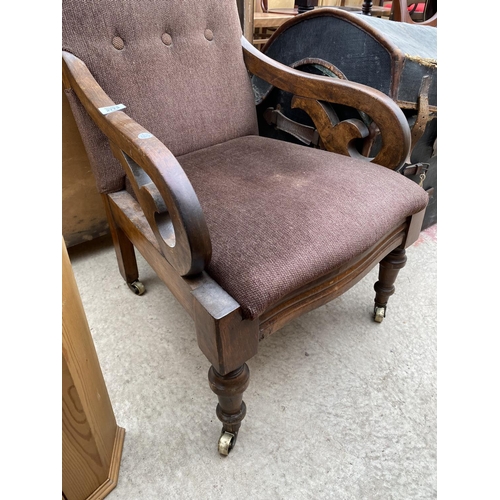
(177, 65)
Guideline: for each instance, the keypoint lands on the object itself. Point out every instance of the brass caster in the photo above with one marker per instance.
(137, 287)
(379, 314)
(227, 441)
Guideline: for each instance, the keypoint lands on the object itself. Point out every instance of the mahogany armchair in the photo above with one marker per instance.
(247, 232)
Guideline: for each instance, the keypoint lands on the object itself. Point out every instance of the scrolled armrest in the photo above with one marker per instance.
(164, 192)
(310, 91)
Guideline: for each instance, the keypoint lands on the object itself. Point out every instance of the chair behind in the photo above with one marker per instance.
(405, 11)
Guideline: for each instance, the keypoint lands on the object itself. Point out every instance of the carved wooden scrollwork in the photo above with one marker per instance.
(163, 213)
(162, 188)
(312, 91)
(336, 136)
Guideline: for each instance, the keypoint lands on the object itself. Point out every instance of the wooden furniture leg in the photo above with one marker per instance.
(231, 409)
(125, 254)
(389, 268)
(366, 8)
(305, 5)
(92, 442)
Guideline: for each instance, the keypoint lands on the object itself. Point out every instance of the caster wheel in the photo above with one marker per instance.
(137, 287)
(379, 314)
(226, 442)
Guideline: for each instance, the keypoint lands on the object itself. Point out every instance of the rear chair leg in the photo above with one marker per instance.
(231, 409)
(384, 287)
(125, 254)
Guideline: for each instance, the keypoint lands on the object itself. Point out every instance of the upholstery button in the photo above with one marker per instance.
(166, 39)
(118, 43)
(209, 35)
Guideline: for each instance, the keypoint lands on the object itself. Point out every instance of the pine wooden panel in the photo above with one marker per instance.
(91, 439)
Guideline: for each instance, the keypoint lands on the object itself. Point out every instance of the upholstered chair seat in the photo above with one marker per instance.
(281, 215)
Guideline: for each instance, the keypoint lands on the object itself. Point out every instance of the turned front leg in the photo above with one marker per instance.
(389, 268)
(231, 409)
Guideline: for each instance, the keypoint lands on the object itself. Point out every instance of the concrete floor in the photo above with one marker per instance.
(338, 406)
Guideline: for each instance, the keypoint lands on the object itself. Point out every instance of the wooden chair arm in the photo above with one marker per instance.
(159, 182)
(400, 14)
(309, 92)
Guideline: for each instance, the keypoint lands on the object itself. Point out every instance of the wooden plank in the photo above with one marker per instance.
(89, 430)
(246, 12)
(263, 20)
(83, 471)
(83, 214)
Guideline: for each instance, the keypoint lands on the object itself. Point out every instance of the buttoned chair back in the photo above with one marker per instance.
(182, 77)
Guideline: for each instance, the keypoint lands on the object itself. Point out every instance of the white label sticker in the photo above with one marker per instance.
(145, 135)
(109, 109)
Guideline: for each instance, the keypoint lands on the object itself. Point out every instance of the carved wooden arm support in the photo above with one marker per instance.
(159, 182)
(311, 91)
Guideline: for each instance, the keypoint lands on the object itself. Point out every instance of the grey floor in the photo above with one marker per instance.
(338, 406)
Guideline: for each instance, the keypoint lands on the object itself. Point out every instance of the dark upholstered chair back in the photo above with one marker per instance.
(177, 66)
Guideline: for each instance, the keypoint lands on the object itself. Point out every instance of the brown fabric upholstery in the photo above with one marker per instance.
(281, 215)
(176, 65)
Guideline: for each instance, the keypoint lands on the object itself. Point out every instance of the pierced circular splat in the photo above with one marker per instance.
(177, 222)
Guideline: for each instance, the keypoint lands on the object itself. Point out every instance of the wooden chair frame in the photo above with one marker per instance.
(167, 225)
(399, 12)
